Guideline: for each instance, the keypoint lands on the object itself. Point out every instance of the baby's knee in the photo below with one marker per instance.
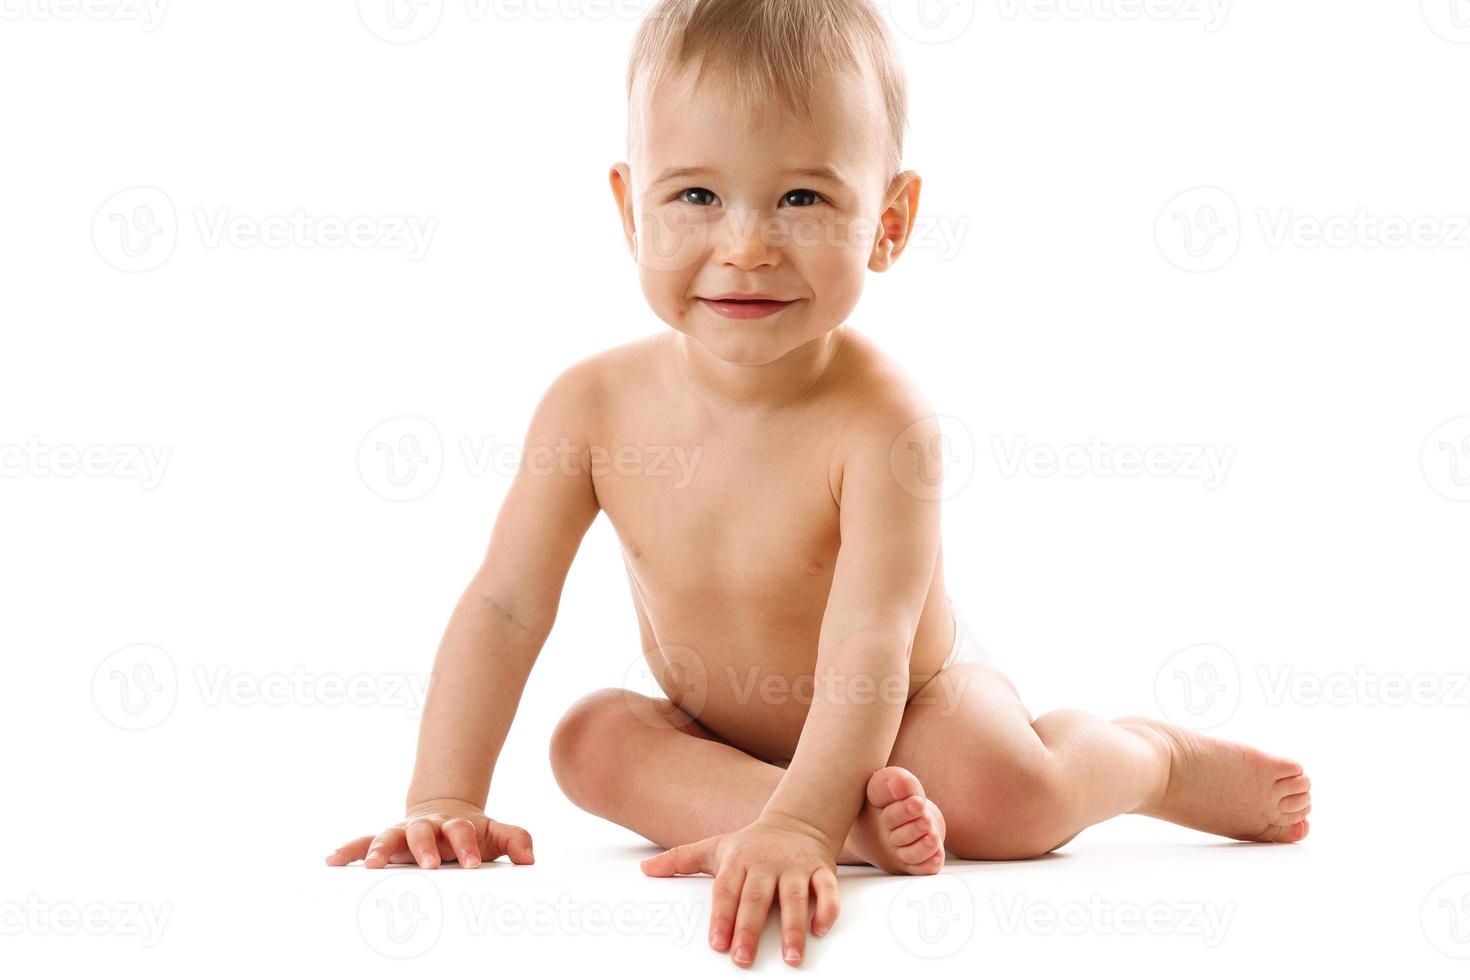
(584, 740)
(1015, 808)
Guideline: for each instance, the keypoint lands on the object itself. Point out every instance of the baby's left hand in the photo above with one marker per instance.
(773, 858)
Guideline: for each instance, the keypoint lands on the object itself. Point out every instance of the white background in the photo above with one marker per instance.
(1050, 301)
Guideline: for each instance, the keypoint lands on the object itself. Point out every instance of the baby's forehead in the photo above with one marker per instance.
(684, 124)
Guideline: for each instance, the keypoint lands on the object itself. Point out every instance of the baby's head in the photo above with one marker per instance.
(764, 145)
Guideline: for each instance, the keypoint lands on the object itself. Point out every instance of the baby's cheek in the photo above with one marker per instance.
(670, 243)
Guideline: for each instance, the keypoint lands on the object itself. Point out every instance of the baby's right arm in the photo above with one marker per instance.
(491, 642)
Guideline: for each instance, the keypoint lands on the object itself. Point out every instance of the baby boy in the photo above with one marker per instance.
(825, 703)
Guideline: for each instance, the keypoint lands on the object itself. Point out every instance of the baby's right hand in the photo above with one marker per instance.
(435, 830)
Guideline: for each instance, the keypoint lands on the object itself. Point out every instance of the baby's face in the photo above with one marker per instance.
(717, 204)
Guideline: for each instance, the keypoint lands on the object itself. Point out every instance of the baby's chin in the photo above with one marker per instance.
(751, 343)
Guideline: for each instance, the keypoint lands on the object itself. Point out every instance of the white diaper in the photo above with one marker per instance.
(966, 648)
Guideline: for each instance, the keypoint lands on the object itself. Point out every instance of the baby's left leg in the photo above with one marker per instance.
(1011, 786)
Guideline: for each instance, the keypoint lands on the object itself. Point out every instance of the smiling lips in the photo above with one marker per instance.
(746, 306)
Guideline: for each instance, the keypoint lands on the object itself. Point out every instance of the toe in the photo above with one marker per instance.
(891, 784)
(1287, 834)
(930, 866)
(896, 815)
(907, 833)
(1292, 785)
(921, 850)
(1298, 804)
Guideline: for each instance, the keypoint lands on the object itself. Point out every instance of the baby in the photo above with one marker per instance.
(826, 704)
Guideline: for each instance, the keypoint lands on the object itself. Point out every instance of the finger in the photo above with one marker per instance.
(423, 841)
(460, 833)
(750, 919)
(686, 859)
(384, 848)
(508, 839)
(793, 898)
(824, 883)
(350, 851)
(724, 903)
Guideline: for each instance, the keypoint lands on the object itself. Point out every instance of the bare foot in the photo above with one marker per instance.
(1226, 788)
(899, 830)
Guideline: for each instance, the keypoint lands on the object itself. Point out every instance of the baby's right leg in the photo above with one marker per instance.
(646, 765)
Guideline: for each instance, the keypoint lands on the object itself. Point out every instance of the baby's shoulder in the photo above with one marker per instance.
(594, 381)
(877, 394)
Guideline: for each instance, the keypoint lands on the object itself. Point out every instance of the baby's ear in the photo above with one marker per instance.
(896, 223)
(620, 177)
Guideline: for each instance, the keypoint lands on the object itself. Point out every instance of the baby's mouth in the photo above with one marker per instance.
(745, 309)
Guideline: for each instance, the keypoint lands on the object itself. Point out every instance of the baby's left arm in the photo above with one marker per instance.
(890, 542)
(888, 496)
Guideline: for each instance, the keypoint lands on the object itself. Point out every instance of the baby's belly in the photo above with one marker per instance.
(750, 679)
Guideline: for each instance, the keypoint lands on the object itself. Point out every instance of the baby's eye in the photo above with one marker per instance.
(694, 190)
(790, 194)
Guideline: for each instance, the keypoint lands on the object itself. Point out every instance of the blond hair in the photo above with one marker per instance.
(771, 51)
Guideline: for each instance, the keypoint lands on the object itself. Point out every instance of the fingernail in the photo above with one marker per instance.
(792, 956)
(742, 953)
